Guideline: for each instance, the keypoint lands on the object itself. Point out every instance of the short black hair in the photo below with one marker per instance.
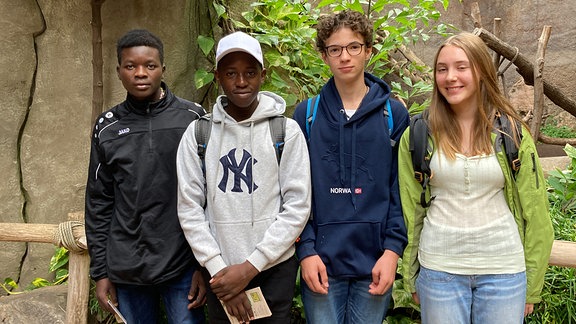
(139, 37)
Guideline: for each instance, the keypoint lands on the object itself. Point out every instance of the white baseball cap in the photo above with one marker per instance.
(239, 42)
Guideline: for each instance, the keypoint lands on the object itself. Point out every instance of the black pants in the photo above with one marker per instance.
(277, 285)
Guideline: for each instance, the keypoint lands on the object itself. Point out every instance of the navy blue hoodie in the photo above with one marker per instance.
(356, 210)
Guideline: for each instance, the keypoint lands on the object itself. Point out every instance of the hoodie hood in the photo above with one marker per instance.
(269, 105)
(374, 100)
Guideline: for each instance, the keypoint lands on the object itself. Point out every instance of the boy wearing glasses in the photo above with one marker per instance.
(349, 249)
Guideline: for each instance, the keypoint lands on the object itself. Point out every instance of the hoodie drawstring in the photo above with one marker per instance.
(252, 168)
(353, 166)
(341, 149)
(343, 119)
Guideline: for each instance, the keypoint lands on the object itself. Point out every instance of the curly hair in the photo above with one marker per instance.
(354, 20)
(139, 37)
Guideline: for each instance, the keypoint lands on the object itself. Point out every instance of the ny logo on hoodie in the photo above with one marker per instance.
(242, 171)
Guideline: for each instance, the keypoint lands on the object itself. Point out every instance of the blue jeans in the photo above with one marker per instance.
(141, 304)
(455, 299)
(348, 301)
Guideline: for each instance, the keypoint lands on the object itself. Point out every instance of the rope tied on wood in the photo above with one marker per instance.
(64, 236)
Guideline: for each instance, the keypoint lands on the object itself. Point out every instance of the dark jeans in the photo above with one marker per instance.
(277, 284)
(141, 304)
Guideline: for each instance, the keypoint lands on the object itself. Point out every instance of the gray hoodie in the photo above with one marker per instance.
(255, 208)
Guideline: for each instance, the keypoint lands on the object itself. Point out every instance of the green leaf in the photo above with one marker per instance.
(40, 282)
(570, 151)
(202, 78)
(220, 9)
(206, 44)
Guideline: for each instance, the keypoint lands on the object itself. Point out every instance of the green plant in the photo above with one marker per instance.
(558, 295)
(552, 129)
(58, 265)
(295, 69)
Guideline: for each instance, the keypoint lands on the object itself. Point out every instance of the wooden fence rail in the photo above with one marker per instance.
(563, 255)
(70, 235)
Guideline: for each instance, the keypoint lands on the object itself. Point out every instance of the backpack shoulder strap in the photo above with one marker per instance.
(311, 108)
(421, 154)
(503, 123)
(202, 134)
(277, 126)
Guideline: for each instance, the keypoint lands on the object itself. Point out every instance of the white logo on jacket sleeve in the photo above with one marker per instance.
(124, 131)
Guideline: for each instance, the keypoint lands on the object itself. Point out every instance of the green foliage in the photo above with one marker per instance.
(297, 311)
(404, 310)
(551, 129)
(58, 265)
(558, 295)
(295, 68)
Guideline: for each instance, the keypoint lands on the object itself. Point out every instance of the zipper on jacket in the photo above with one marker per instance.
(149, 128)
(534, 170)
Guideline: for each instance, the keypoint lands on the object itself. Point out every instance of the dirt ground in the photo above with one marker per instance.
(548, 150)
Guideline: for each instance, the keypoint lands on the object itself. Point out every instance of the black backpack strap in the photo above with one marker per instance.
(419, 150)
(277, 126)
(202, 134)
(503, 124)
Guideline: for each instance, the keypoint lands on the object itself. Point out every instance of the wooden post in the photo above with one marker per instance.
(78, 281)
(539, 83)
(78, 262)
(475, 13)
(21, 232)
(563, 254)
(526, 69)
(497, 32)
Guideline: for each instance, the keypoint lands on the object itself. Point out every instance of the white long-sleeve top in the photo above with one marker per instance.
(469, 228)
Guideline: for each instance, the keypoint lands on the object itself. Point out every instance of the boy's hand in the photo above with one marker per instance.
(105, 288)
(232, 280)
(197, 294)
(314, 274)
(384, 273)
(239, 306)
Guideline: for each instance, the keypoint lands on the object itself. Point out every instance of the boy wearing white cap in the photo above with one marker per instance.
(244, 213)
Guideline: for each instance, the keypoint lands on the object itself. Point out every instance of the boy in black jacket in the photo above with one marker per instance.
(137, 248)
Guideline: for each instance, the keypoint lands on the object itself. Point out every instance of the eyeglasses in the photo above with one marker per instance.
(353, 49)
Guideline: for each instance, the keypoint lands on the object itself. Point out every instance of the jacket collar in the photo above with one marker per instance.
(150, 107)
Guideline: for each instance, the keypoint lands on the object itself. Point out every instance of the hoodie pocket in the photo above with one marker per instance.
(349, 249)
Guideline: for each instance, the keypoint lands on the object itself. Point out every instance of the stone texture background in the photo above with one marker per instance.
(46, 90)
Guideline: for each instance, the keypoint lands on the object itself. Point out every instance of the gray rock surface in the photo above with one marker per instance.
(40, 306)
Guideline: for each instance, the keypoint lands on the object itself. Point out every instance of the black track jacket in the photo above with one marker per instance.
(132, 227)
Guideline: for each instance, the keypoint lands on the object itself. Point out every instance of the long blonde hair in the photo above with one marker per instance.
(445, 129)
